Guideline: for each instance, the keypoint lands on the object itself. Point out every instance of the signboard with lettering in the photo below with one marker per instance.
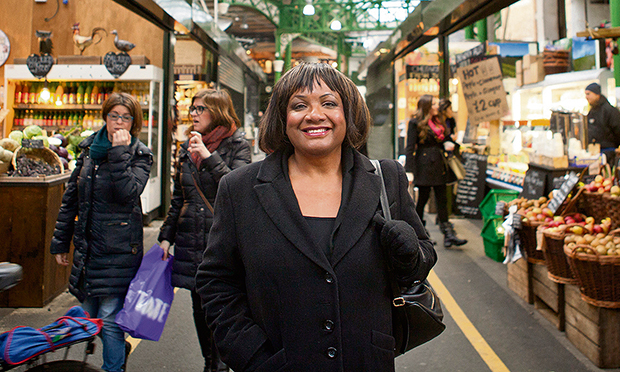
(484, 91)
(562, 193)
(471, 189)
(534, 183)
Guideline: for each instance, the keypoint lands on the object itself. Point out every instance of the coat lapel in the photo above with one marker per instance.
(360, 205)
(278, 199)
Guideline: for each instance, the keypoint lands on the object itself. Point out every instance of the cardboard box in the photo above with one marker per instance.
(534, 73)
(530, 59)
(140, 60)
(519, 73)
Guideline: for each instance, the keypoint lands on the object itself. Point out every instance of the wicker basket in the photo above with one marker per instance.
(593, 204)
(527, 235)
(598, 275)
(558, 268)
(612, 209)
(45, 154)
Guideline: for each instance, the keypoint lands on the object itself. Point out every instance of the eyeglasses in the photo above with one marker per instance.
(197, 109)
(124, 118)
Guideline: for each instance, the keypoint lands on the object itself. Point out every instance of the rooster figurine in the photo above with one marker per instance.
(122, 45)
(83, 42)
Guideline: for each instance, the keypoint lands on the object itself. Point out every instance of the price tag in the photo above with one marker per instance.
(560, 195)
(32, 144)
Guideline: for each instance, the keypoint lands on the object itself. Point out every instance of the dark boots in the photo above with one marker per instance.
(449, 235)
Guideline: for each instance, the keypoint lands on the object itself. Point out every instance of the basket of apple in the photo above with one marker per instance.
(534, 213)
(595, 263)
(593, 202)
(563, 230)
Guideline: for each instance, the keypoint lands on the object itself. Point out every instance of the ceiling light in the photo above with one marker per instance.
(309, 8)
(336, 25)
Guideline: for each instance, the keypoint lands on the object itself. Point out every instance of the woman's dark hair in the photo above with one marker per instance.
(126, 100)
(220, 108)
(444, 104)
(272, 135)
(423, 115)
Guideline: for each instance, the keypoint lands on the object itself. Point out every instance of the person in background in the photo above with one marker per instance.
(216, 146)
(295, 274)
(445, 109)
(427, 139)
(102, 212)
(603, 122)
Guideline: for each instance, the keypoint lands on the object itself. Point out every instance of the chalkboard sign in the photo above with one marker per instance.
(560, 194)
(534, 183)
(32, 143)
(470, 190)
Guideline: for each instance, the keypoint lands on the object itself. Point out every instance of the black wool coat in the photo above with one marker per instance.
(189, 219)
(426, 159)
(604, 124)
(107, 234)
(275, 301)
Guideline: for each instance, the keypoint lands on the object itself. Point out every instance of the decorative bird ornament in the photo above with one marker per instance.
(122, 45)
(83, 42)
(45, 41)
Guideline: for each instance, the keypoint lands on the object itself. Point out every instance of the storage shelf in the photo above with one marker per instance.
(29, 106)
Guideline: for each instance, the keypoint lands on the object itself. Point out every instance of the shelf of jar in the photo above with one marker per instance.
(32, 106)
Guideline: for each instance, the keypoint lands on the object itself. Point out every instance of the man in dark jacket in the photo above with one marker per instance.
(603, 122)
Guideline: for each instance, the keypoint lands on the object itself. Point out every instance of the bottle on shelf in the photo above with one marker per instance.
(32, 93)
(65, 93)
(87, 93)
(71, 89)
(18, 93)
(79, 95)
(64, 121)
(94, 94)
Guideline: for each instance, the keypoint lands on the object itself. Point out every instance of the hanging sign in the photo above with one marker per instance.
(39, 66)
(117, 64)
(562, 193)
(484, 91)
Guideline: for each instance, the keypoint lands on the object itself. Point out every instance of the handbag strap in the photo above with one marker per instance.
(385, 206)
(202, 195)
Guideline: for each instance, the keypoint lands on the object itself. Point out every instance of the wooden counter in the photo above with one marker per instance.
(28, 210)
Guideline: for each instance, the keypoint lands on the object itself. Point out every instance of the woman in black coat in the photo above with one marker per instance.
(427, 139)
(101, 211)
(295, 275)
(216, 147)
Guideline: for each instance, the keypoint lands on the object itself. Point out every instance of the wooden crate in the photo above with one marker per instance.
(140, 60)
(519, 281)
(29, 210)
(595, 331)
(549, 297)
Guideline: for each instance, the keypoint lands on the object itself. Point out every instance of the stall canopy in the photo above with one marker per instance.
(428, 21)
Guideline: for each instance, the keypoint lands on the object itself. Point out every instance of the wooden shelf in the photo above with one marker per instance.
(29, 106)
(600, 33)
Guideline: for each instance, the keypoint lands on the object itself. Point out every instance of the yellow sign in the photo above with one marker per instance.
(484, 91)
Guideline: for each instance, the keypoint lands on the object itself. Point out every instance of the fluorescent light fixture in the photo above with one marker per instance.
(336, 25)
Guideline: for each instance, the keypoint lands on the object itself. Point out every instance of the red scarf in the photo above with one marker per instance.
(438, 129)
(212, 141)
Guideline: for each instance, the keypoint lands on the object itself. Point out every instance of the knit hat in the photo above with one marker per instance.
(594, 88)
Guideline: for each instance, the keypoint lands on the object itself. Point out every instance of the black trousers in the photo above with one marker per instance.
(205, 338)
(441, 199)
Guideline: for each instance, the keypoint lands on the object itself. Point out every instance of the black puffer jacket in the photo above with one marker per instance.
(189, 220)
(604, 124)
(107, 234)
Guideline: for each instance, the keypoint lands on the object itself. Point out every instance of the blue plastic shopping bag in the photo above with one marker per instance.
(149, 297)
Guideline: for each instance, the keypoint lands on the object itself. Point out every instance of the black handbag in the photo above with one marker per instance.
(416, 312)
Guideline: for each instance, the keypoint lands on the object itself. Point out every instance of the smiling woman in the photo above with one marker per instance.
(307, 217)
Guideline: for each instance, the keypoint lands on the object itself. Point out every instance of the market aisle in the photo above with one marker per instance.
(512, 330)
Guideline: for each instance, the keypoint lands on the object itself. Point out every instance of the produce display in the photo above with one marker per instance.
(64, 145)
(602, 242)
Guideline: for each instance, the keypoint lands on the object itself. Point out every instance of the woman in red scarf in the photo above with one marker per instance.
(216, 146)
(427, 139)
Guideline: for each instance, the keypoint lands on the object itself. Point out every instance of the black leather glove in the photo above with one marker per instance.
(401, 241)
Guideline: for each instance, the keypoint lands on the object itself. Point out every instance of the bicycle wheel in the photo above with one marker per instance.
(65, 366)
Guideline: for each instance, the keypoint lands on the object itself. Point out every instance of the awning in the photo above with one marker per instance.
(429, 20)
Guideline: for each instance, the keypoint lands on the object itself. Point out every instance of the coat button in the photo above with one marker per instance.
(134, 250)
(331, 352)
(329, 278)
(328, 325)
(202, 209)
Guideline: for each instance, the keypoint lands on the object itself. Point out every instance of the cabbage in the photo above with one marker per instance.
(17, 135)
(32, 131)
(86, 133)
(54, 141)
(9, 144)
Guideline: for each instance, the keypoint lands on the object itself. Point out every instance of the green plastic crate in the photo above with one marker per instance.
(493, 238)
(487, 207)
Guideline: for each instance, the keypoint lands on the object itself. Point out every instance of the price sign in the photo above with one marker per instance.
(484, 91)
(32, 144)
(560, 195)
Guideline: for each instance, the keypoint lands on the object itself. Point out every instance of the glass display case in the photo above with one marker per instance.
(73, 100)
